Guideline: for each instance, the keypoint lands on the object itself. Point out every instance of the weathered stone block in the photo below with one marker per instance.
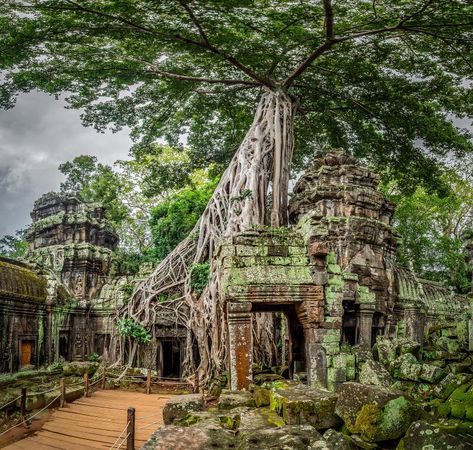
(79, 368)
(375, 413)
(339, 441)
(373, 372)
(423, 435)
(305, 405)
(294, 437)
(178, 407)
(407, 367)
(431, 373)
(234, 399)
(445, 387)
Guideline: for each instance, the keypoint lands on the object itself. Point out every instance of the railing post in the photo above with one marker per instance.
(86, 384)
(102, 384)
(23, 406)
(130, 430)
(148, 382)
(62, 387)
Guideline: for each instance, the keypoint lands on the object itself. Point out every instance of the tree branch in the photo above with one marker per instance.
(416, 13)
(328, 19)
(227, 82)
(192, 16)
(444, 40)
(330, 42)
(177, 37)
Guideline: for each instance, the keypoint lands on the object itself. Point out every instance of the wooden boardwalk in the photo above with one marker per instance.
(96, 422)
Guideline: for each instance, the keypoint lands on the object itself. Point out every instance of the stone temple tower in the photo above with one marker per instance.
(74, 240)
(337, 205)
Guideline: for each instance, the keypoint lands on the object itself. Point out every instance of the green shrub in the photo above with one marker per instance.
(200, 274)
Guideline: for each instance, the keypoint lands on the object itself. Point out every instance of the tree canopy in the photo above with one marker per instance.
(434, 229)
(383, 79)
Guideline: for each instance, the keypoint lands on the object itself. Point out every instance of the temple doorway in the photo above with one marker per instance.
(169, 358)
(27, 353)
(64, 345)
(350, 323)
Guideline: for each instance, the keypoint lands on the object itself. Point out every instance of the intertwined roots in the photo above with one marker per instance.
(239, 202)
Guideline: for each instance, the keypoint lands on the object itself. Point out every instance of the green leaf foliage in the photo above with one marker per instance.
(200, 275)
(13, 246)
(95, 182)
(128, 327)
(172, 220)
(433, 229)
(383, 79)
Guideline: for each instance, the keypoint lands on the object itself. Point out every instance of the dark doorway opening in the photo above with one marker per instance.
(64, 345)
(171, 358)
(350, 323)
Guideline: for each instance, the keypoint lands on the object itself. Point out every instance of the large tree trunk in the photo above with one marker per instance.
(239, 202)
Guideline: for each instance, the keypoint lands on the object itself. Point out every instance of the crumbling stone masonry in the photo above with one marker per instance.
(74, 240)
(59, 303)
(333, 274)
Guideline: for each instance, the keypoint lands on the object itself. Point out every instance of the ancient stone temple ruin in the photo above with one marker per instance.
(50, 309)
(333, 276)
(59, 302)
(328, 282)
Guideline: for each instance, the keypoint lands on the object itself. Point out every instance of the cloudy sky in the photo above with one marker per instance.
(35, 137)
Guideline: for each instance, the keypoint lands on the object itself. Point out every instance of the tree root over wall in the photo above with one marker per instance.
(238, 203)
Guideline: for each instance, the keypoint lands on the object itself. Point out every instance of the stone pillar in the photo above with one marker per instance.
(49, 339)
(310, 315)
(240, 344)
(366, 324)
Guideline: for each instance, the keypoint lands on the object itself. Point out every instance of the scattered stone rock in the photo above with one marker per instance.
(180, 406)
(407, 367)
(445, 387)
(431, 373)
(375, 413)
(189, 438)
(460, 367)
(422, 435)
(360, 443)
(408, 346)
(234, 399)
(261, 396)
(79, 368)
(266, 378)
(373, 372)
(339, 441)
(384, 350)
(306, 405)
(290, 437)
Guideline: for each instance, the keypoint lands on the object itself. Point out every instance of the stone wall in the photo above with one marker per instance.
(34, 314)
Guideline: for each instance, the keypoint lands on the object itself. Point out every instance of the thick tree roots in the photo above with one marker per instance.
(238, 203)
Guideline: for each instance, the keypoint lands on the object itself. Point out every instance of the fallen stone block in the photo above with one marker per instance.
(179, 407)
(423, 435)
(234, 399)
(373, 372)
(375, 413)
(305, 405)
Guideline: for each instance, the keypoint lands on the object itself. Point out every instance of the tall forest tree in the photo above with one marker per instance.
(382, 78)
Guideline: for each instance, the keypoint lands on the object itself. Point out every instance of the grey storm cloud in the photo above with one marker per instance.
(35, 137)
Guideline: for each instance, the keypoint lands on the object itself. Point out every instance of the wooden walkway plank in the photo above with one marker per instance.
(96, 422)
